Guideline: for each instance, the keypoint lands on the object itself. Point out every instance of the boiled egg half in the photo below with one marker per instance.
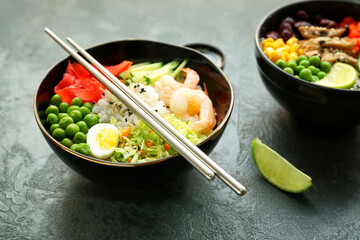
(102, 138)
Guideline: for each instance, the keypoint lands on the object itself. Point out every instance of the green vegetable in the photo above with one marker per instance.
(59, 134)
(67, 142)
(77, 102)
(315, 78)
(315, 60)
(289, 70)
(305, 74)
(88, 105)
(74, 146)
(62, 115)
(76, 115)
(91, 119)
(52, 109)
(299, 68)
(179, 68)
(325, 66)
(140, 68)
(42, 114)
(79, 137)
(83, 148)
(52, 118)
(321, 74)
(54, 126)
(56, 100)
(72, 108)
(305, 63)
(83, 127)
(71, 130)
(65, 121)
(281, 63)
(63, 107)
(300, 58)
(314, 70)
(42, 105)
(291, 64)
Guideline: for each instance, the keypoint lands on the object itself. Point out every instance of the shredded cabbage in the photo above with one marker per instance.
(143, 144)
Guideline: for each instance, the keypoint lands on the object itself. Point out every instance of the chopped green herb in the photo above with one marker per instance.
(126, 82)
(147, 79)
(132, 75)
(187, 122)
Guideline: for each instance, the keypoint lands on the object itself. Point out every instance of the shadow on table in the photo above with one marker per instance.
(330, 156)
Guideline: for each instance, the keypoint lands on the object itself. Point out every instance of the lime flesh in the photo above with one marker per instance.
(277, 170)
(342, 76)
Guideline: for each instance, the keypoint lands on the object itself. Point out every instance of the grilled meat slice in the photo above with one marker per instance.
(338, 56)
(314, 32)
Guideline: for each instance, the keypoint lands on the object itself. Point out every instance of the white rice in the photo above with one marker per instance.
(109, 107)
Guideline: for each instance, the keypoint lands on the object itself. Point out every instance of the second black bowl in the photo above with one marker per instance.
(310, 103)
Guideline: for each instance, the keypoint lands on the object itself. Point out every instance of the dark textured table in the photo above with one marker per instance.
(41, 198)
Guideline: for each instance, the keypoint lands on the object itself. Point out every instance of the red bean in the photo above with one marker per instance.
(301, 24)
(286, 34)
(273, 34)
(328, 23)
(302, 16)
(286, 26)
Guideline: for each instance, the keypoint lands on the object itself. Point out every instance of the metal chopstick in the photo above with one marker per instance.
(180, 143)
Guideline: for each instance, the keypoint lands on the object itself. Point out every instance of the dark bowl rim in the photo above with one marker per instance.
(217, 130)
(257, 38)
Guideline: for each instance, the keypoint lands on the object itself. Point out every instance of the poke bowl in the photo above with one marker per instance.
(139, 157)
(318, 36)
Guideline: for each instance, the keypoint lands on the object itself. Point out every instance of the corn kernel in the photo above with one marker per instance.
(268, 40)
(291, 41)
(279, 43)
(269, 44)
(294, 47)
(285, 56)
(275, 55)
(301, 51)
(293, 55)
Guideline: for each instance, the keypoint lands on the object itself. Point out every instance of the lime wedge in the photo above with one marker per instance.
(342, 75)
(277, 170)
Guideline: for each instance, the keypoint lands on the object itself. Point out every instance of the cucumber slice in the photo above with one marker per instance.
(179, 68)
(147, 67)
(139, 65)
(150, 77)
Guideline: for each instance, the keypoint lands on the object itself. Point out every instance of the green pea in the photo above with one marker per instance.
(59, 134)
(42, 114)
(305, 63)
(289, 70)
(79, 137)
(314, 78)
(42, 105)
(281, 63)
(305, 74)
(72, 108)
(72, 129)
(314, 70)
(84, 111)
(76, 102)
(67, 142)
(52, 118)
(65, 121)
(62, 115)
(88, 105)
(297, 76)
(291, 64)
(56, 100)
(43, 122)
(91, 119)
(54, 126)
(74, 146)
(63, 107)
(83, 127)
(76, 115)
(321, 74)
(300, 58)
(325, 66)
(83, 148)
(315, 60)
(299, 68)
(52, 109)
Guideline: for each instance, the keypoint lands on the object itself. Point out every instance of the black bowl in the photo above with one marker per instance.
(316, 105)
(134, 175)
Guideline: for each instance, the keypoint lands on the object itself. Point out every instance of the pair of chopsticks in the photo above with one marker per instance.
(181, 144)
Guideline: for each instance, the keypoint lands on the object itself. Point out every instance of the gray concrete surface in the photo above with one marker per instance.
(41, 198)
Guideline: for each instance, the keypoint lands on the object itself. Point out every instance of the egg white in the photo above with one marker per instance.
(96, 150)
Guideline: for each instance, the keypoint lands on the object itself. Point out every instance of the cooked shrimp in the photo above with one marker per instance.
(166, 85)
(193, 105)
(191, 78)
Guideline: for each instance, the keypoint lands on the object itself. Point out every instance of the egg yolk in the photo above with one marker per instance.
(107, 138)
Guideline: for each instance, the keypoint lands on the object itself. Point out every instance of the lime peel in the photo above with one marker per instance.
(277, 170)
(342, 76)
